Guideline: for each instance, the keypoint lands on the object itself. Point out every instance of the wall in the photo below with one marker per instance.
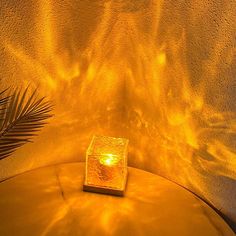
(161, 73)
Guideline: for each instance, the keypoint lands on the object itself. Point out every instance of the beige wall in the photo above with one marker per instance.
(161, 73)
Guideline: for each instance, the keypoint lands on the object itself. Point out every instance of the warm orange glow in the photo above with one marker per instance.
(131, 71)
(106, 165)
(109, 159)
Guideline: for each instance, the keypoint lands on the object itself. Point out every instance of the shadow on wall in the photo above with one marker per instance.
(161, 73)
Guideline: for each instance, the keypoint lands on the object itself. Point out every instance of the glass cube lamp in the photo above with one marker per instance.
(106, 165)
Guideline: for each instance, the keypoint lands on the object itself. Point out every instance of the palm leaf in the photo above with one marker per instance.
(21, 118)
(3, 103)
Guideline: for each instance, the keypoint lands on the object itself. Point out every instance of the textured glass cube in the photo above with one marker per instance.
(106, 165)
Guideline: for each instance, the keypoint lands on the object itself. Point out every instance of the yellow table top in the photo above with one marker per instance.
(50, 201)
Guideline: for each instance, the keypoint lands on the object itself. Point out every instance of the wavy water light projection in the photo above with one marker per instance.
(160, 73)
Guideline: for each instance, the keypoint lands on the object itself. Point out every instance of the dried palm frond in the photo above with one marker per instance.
(20, 117)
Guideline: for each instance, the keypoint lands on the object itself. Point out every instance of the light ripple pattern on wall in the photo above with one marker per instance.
(160, 73)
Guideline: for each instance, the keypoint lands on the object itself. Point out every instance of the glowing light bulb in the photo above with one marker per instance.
(106, 165)
(109, 159)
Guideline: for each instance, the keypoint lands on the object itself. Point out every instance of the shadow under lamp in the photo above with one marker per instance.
(106, 165)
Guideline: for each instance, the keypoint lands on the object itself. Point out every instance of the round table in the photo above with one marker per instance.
(50, 201)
